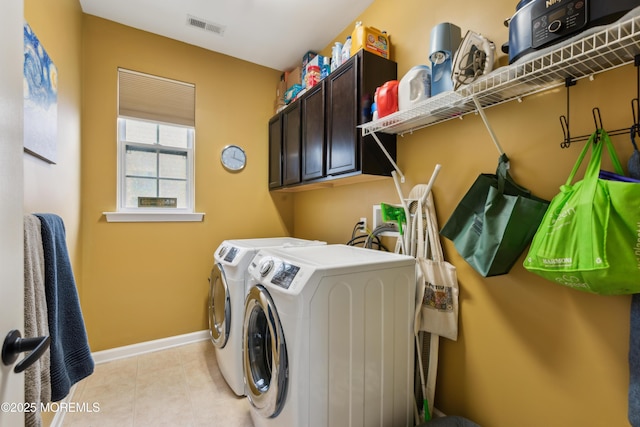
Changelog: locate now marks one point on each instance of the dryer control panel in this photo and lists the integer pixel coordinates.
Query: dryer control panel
(274, 271)
(284, 275)
(231, 254)
(227, 253)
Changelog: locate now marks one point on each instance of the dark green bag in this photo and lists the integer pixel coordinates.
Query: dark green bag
(495, 221)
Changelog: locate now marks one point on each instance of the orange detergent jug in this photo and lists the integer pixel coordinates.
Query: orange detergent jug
(386, 98)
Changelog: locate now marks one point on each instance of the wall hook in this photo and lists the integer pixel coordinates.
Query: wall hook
(565, 130)
(564, 120)
(635, 127)
(597, 120)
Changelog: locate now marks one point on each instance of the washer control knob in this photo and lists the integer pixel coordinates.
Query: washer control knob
(555, 26)
(222, 251)
(266, 267)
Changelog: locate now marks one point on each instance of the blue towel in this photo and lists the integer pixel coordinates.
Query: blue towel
(71, 358)
(634, 362)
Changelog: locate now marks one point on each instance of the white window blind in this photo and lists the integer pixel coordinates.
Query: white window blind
(158, 99)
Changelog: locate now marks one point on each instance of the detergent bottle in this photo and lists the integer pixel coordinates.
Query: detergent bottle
(414, 87)
(336, 56)
(346, 50)
(370, 39)
(386, 98)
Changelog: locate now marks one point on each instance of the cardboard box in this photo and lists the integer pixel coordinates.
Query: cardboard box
(318, 60)
(294, 77)
(278, 105)
(307, 57)
(281, 88)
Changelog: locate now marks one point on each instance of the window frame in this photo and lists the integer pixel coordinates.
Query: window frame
(158, 148)
(146, 213)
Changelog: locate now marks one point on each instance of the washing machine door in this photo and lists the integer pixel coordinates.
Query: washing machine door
(265, 354)
(219, 307)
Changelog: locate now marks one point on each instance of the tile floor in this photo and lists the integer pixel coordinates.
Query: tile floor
(181, 386)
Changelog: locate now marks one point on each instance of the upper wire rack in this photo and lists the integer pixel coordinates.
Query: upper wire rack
(614, 46)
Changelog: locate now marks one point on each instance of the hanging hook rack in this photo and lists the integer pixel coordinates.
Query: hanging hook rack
(597, 118)
(635, 108)
(564, 120)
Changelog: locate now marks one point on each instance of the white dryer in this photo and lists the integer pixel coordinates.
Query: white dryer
(227, 289)
(328, 337)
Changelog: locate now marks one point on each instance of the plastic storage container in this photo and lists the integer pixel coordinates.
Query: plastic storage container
(414, 87)
(336, 56)
(346, 51)
(386, 98)
(313, 76)
(370, 39)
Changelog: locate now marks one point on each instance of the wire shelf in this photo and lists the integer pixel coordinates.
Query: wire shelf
(602, 50)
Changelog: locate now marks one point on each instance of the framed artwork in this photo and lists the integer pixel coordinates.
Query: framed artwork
(40, 99)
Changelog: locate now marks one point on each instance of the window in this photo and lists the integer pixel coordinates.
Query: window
(156, 166)
(156, 149)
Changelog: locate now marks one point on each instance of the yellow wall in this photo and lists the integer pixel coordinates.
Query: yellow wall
(144, 281)
(56, 188)
(529, 353)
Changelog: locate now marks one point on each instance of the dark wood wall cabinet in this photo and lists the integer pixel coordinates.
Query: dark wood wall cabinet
(315, 141)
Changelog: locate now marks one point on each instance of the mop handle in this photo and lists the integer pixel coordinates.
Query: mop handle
(432, 180)
(406, 212)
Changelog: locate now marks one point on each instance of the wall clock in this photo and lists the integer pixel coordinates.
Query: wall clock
(233, 158)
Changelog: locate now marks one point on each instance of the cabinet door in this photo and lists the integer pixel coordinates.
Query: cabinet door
(374, 72)
(342, 107)
(275, 152)
(313, 146)
(291, 144)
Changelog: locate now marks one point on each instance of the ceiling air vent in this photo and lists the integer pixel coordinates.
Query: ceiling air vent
(203, 24)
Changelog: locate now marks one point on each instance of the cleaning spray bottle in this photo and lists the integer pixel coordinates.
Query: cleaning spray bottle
(395, 214)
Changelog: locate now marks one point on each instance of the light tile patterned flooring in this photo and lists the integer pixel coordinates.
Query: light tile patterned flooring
(181, 386)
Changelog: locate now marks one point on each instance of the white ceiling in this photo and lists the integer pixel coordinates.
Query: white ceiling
(272, 33)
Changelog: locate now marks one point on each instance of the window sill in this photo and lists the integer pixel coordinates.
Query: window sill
(153, 216)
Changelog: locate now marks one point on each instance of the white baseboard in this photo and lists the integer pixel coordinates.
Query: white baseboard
(148, 346)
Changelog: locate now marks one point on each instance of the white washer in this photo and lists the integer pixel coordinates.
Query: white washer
(227, 289)
(328, 337)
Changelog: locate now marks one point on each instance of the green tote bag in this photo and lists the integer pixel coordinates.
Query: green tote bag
(589, 239)
(494, 222)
